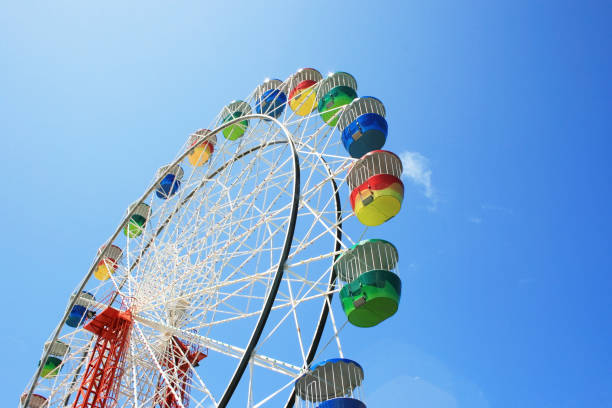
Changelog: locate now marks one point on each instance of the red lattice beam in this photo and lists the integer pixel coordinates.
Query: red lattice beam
(176, 363)
(102, 376)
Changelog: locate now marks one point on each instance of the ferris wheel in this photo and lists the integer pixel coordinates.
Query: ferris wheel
(216, 289)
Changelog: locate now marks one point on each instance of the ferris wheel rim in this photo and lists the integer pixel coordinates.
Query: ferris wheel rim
(130, 212)
(316, 339)
(167, 221)
(202, 262)
(278, 276)
(190, 195)
(338, 237)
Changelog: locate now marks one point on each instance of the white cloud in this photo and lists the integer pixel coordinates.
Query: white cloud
(475, 220)
(416, 169)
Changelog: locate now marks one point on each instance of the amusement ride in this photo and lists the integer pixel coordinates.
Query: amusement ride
(216, 288)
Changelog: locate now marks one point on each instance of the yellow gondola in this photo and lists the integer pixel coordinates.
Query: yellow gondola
(302, 90)
(108, 263)
(205, 147)
(376, 189)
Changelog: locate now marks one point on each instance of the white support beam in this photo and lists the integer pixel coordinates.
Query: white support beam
(221, 347)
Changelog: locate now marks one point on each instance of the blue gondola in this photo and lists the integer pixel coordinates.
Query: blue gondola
(363, 125)
(79, 310)
(270, 98)
(171, 182)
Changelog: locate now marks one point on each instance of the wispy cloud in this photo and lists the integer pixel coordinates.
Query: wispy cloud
(498, 208)
(416, 170)
(475, 220)
(490, 209)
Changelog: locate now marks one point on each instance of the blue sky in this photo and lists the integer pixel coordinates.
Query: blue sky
(500, 109)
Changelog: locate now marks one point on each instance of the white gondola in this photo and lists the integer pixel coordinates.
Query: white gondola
(36, 401)
(331, 383)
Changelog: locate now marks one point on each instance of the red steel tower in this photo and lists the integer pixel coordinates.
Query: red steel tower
(177, 361)
(103, 373)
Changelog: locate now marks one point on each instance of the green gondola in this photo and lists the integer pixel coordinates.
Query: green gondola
(136, 224)
(372, 291)
(336, 91)
(234, 110)
(52, 365)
